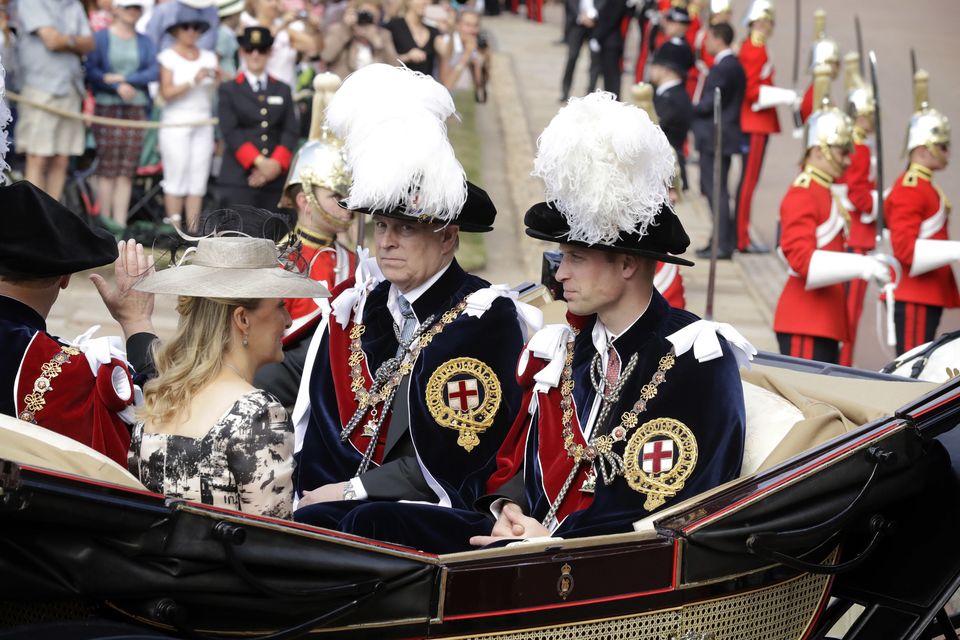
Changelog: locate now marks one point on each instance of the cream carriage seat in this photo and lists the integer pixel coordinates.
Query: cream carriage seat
(35, 446)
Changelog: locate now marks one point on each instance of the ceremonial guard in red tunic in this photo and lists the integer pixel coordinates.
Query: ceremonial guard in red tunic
(757, 125)
(82, 389)
(318, 180)
(606, 433)
(917, 212)
(857, 192)
(811, 318)
(409, 387)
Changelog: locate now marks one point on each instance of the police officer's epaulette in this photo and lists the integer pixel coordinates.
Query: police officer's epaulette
(803, 180)
(757, 38)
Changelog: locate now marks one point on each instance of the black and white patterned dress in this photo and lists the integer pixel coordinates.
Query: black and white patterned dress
(245, 461)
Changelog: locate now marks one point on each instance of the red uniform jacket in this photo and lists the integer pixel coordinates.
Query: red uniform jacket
(669, 283)
(331, 264)
(859, 199)
(916, 208)
(759, 70)
(810, 219)
(806, 105)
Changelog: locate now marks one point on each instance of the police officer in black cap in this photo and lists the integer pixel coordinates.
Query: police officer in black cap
(258, 120)
(84, 390)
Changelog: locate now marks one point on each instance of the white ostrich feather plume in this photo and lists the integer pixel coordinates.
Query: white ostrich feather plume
(393, 125)
(606, 167)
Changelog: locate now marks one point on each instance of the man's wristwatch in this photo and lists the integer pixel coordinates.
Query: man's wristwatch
(71, 42)
(349, 492)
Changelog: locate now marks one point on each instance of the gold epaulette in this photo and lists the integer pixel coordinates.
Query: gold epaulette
(757, 39)
(803, 180)
(910, 179)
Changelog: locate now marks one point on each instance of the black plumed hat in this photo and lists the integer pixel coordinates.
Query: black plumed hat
(40, 237)
(477, 214)
(664, 241)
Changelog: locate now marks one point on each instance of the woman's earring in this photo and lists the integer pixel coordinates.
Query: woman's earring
(245, 341)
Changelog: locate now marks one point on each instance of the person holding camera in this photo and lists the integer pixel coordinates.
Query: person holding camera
(465, 49)
(358, 40)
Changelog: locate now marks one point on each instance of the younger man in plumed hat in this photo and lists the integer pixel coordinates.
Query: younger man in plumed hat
(85, 390)
(611, 423)
(917, 212)
(258, 120)
(409, 388)
(811, 319)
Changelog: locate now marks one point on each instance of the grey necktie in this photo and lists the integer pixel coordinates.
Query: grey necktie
(409, 323)
(400, 418)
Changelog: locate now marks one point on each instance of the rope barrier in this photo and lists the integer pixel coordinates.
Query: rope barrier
(108, 122)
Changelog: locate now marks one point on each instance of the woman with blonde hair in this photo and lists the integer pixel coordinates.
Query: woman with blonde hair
(205, 432)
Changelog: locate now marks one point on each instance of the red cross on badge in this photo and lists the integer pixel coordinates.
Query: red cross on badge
(462, 395)
(657, 456)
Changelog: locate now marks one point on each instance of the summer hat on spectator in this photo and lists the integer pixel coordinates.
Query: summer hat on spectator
(188, 15)
(232, 267)
(198, 4)
(227, 8)
(128, 3)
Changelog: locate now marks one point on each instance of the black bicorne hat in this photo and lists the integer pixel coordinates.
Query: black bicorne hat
(41, 238)
(664, 241)
(477, 214)
(255, 38)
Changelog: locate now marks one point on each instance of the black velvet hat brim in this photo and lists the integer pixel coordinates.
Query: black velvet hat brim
(664, 240)
(477, 215)
(41, 238)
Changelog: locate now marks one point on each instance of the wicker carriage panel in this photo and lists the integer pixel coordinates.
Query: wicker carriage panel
(782, 611)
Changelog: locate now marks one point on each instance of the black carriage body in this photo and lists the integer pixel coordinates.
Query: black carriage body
(741, 561)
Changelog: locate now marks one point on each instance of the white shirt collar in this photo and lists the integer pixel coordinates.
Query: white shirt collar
(603, 337)
(723, 54)
(411, 295)
(669, 84)
(252, 80)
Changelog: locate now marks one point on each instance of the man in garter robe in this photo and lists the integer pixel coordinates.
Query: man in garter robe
(409, 386)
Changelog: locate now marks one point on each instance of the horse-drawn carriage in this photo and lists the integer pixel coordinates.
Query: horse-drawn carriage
(865, 516)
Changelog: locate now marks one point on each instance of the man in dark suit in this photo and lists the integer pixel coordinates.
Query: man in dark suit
(727, 74)
(258, 120)
(607, 41)
(579, 30)
(671, 62)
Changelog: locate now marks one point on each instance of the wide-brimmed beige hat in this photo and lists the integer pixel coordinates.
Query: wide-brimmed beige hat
(232, 268)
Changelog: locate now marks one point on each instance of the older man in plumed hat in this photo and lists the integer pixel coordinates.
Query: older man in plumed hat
(84, 389)
(410, 387)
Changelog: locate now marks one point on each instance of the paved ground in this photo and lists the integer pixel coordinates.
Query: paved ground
(524, 97)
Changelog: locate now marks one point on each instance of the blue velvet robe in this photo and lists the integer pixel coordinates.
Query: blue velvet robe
(456, 475)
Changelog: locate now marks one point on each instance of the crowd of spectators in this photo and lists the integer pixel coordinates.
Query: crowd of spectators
(165, 60)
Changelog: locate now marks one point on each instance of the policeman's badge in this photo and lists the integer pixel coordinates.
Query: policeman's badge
(464, 394)
(659, 457)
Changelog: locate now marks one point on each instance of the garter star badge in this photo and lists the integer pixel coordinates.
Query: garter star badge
(464, 394)
(659, 457)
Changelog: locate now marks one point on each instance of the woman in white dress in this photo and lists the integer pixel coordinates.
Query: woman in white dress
(188, 80)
